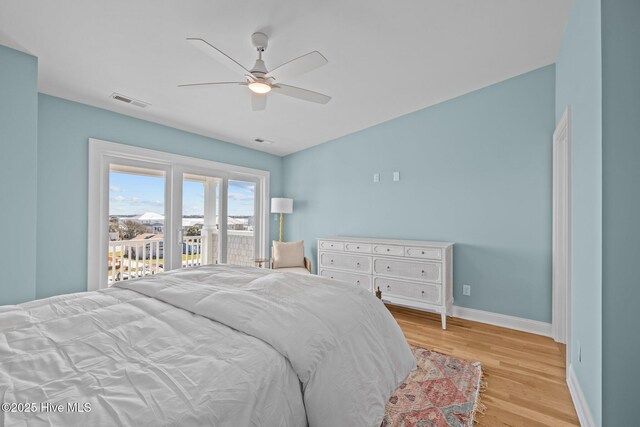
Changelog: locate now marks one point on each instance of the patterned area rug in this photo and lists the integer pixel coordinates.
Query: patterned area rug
(443, 391)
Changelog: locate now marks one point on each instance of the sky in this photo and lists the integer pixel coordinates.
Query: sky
(131, 194)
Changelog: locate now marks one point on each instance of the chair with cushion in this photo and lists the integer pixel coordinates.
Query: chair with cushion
(288, 257)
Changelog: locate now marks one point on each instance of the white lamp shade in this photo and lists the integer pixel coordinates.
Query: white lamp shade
(280, 205)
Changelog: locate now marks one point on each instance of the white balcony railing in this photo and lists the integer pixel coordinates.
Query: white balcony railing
(191, 251)
(129, 259)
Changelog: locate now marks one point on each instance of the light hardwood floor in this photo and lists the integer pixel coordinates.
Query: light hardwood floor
(525, 373)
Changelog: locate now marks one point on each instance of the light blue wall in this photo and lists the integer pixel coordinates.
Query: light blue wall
(475, 170)
(64, 129)
(579, 84)
(18, 163)
(621, 210)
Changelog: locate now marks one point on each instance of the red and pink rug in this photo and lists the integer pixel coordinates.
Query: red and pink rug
(443, 391)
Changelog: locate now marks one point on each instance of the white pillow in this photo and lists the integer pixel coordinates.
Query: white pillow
(288, 254)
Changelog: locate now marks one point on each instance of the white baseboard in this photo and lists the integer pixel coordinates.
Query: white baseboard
(511, 322)
(579, 401)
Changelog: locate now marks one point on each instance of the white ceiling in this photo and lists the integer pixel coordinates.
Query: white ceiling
(386, 58)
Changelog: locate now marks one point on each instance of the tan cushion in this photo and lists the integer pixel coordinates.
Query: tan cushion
(288, 254)
(297, 270)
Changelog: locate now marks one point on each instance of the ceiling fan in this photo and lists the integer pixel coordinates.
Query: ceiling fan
(259, 80)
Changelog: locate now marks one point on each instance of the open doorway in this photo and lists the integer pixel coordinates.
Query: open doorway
(561, 246)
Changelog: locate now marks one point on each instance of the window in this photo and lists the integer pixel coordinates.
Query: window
(151, 211)
(136, 222)
(200, 220)
(241, 222)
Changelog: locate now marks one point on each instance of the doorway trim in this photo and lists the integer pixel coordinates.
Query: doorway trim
(102, 153)
(561, 234)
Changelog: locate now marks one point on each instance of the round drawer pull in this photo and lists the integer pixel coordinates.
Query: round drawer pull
(358, 282)
(422, 252)
(422, 293)
(422, 271)
(357, 247)
(331, 261)
(388, 268)
(388, 249)
(332, 277)
(388, 287)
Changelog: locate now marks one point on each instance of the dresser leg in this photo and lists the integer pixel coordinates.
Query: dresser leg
(443, 315)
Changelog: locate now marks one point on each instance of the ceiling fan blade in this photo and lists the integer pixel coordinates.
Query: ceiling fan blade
(211, 84)
(304, 94)
(218, 55)
(295, 67)
(258, 102)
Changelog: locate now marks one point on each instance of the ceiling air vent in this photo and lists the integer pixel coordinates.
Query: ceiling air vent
(263, 141)
(128, 100)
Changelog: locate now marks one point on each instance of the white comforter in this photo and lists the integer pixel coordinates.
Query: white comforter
(221, 346)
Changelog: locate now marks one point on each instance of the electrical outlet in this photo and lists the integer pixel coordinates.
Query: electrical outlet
(396, 176)
(466, 290)
(376, 177)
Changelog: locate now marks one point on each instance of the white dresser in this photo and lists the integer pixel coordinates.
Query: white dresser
(412, 273)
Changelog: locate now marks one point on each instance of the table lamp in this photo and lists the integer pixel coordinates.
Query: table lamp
(281, 206)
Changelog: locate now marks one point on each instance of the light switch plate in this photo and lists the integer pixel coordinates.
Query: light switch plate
(376, 177)
(466, 290)
(396, 176)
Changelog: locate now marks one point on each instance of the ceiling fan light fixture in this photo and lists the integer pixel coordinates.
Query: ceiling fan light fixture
(259, 87)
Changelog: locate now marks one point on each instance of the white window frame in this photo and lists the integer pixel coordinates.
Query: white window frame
(103, 153)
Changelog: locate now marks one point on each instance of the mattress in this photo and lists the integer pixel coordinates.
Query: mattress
(215, 345)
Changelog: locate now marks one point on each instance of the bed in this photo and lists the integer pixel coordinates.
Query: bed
(215, 345)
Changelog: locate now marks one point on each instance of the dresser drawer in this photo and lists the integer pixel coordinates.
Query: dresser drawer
(350, 262)
(354, 279)
(364, 248)
(425, 292)
(428, 271)
(427, 253)
(331, 246)
(388, 250)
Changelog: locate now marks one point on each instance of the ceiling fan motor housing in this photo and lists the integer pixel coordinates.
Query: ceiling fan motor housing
(259, 68)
